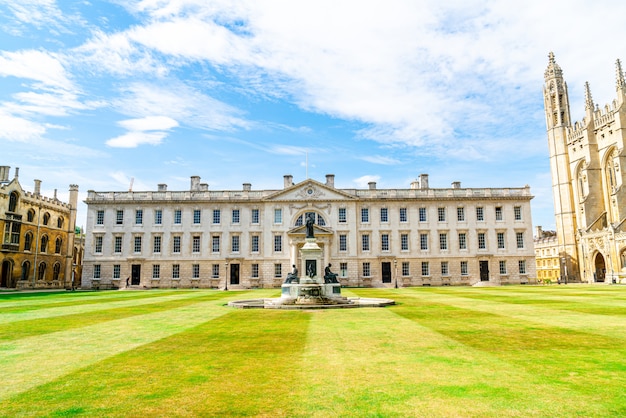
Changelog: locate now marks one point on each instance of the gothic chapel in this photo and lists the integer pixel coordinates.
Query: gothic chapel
(586, 160)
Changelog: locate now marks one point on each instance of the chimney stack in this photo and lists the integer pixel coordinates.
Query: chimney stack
(372, 185)
(4, 173)
(162, 187)
(288, 180)
(330, 180)
(247, 187)
(423, 181)
(456, 184)
(195, 183)
(37, 187)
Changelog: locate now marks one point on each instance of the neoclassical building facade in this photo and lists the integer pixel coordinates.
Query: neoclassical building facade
(38, 248)
(251, 238)
(587, 160)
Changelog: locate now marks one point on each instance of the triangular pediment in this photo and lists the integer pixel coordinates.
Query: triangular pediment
(310, 190)
(317, 230)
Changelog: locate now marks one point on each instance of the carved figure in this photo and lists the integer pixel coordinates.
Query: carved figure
(310, 221)
(292, 276)
(329, 276)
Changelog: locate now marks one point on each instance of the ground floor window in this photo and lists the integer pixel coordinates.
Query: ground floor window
(366, 270)
(278, 270)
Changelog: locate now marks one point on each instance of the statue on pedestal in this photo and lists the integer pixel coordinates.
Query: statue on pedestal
(292, 276)
(329, 276)
(310, 221)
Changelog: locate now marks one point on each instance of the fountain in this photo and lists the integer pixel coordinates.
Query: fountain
(311, 291)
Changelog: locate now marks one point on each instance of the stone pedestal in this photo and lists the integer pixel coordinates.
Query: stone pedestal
(310, 289)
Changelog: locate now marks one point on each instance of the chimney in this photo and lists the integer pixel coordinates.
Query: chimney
(195, 183)
(415, 184)
(4, 173)
(247, 187)
(288, 180)
(372, 185)
(456, 184)
(423, 181)
(17, 172)
(37, 187)
(55, 194)
(203, 187)
(330, 180)
(538, 231)
(162, 187)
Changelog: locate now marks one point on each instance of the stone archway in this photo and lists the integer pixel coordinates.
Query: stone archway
(6, 274)
(599, 272)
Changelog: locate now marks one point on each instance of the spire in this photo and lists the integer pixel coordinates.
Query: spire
(553, 69)
(588, 99)
(619, 76)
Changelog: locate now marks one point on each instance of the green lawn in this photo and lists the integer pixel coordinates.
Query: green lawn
(516, 351)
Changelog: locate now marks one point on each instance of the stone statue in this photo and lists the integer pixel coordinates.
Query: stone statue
(329, 276)
(293, 276)
(310, 221)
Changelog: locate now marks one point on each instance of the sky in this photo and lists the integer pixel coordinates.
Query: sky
(109, 94)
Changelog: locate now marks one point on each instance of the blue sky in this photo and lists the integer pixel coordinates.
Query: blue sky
(97, 93)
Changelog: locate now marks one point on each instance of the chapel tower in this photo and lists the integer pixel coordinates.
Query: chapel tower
(558, 122)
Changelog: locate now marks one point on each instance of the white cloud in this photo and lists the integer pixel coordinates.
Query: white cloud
(135, 138)
(181, 103)
(363, 181)
(40, 66)
(149, 123)
(380, 159)
(14, 128)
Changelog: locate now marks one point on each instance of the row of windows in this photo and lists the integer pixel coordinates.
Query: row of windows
(157, 240)
(12, 236)
(197, 216)
(42, 271)
(441, 214)
(235, 243)
(424, 241)
(195, 271)
(30, 215)
(425, 269)
(278, 216)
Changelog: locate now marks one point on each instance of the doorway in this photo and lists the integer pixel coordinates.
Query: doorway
(386, 270)
(6, 273)
(234, 274)
(484, 271)
(600, 268)
(135, 276)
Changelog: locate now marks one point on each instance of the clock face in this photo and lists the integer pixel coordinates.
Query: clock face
(309, 191)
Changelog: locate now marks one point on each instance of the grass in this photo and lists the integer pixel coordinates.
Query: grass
(516, 351)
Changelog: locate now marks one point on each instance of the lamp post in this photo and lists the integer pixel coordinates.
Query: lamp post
(226, 277)
(395, 268)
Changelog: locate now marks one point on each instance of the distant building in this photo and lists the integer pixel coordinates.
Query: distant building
(38, 236)
(587, 161)
(547, 256)
(247, 238)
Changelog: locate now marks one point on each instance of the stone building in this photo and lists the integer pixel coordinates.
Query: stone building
(547, 256)
(38, 236)
(586, 161)
(251, 238)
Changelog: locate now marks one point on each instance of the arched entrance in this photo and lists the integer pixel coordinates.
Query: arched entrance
(6, 274)
(600, 268)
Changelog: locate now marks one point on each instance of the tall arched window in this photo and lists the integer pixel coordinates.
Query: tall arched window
(581, 178)
(44, 244)
(25, 270)
(46, 218)
(13, 201)
(41, 273)
(57, 245)
(28, 241)
(60, 222)
(319, 219)
(610, 172)
(30, 216)
(56, 271)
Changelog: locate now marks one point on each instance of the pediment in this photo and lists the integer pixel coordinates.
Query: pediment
(317, 230)
(309, 190)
